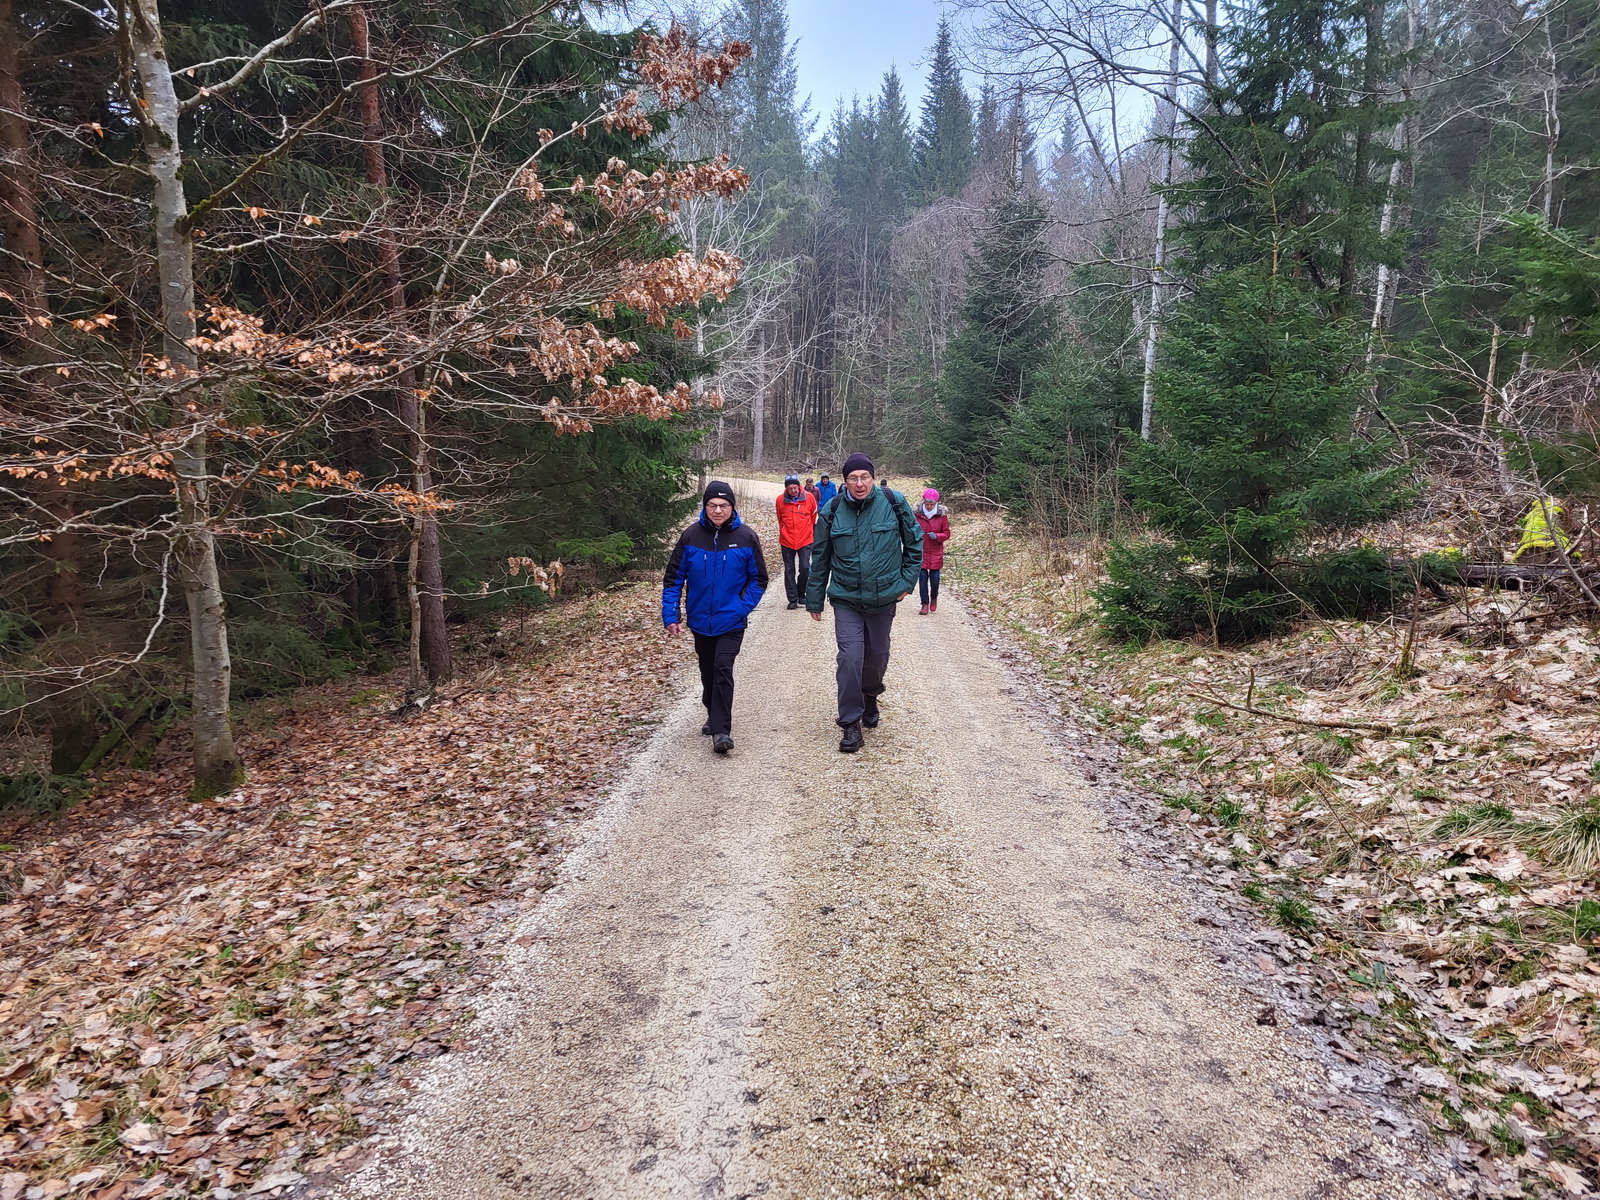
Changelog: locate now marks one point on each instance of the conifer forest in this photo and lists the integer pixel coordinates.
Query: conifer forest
(360, 361)
(331, 327)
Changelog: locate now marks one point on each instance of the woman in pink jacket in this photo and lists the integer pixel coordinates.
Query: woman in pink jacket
(935, 522)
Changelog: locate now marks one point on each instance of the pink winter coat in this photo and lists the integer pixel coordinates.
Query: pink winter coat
(935, 533)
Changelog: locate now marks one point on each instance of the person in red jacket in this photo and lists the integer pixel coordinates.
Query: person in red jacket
(935, 522)
(797, 519)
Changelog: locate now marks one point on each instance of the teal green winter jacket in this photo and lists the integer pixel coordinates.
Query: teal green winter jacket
(866, 554)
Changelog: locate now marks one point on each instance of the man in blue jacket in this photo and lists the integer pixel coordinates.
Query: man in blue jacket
(826, 490)
(718, 560)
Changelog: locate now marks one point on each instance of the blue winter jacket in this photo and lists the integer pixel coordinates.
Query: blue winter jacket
(825, 492)
(724, 571)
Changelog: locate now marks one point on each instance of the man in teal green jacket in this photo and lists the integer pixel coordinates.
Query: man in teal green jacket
(865, 557)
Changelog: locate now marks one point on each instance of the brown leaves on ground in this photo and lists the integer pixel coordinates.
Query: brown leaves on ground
(222, 994)
(1442, 884)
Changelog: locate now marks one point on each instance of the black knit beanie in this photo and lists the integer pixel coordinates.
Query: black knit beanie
(716, 488)
(857, 462)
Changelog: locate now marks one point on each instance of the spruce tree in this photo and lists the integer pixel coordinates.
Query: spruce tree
(991, 141)
(1256, 459)
(944, 151)
(1007, 324)
(1256, 456)
(1285, 165)
(895, 157)
(849, 159)
(771, 137)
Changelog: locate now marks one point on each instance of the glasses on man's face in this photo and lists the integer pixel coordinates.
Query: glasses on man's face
(718, 506)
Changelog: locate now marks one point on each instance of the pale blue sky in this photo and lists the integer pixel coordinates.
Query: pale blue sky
(845, 46)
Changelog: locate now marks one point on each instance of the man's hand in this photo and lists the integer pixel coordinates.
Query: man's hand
(675, 628)
(816, 616)
(903, 595)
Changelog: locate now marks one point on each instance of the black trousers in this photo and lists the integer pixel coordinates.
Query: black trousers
(716, 655)
(796, 570)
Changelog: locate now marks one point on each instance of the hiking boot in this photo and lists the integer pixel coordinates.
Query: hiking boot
(851, 741)
(869, 717)
(934, 607)
(722, 743)
(923, 611)
(705, 730)
(793, 604)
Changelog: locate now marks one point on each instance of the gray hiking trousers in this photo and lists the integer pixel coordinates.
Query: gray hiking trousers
(863, 658)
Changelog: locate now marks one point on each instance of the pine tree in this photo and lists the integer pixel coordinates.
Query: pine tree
(1283, 167)
(992, 150)
(944, 151)
(1256, 459)
(1007, 324)
(1064, 176)
(849, 159)
(1256, 454)
(771, 133)
(1056, 466)
(896, 164)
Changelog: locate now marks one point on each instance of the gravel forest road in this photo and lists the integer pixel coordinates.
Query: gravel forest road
(931, 968)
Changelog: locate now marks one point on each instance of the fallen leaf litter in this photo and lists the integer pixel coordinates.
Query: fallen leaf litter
(227, 995)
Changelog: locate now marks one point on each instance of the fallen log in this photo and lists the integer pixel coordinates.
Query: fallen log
(1494, 573)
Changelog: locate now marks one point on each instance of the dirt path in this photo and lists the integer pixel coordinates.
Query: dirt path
(923, 969)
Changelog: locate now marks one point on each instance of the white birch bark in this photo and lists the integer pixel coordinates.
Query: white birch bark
(1152, 332)
(758, 403)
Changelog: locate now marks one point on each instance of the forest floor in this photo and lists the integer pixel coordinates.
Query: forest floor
(471, 954)
(214, 998)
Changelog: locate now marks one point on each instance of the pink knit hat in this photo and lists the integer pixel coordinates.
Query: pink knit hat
(930, 495)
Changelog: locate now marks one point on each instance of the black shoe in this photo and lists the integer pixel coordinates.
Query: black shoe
(705, 730)
(722, 743)
(869, 718)
(851, 741)
(793, 604)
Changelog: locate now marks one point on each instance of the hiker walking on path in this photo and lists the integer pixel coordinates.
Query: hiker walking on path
(935, 522)
(827, 489)
(811, 490)
(797, 514)
(865, 559)
(718, 559)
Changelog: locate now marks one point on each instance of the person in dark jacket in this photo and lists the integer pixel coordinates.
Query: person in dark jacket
(827, 489)
(718, 560)
(935, 522)
(811, 490)
(865, 558)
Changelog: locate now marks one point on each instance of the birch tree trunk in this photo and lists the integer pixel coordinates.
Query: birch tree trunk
(1152, 332)
(758, 403)
(1211, 44)
(1552, 139)
(217, 767)
(1405, 136)
(427, 574)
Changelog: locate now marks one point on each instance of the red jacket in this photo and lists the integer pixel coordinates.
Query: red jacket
(935, 533)
(797, 520)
